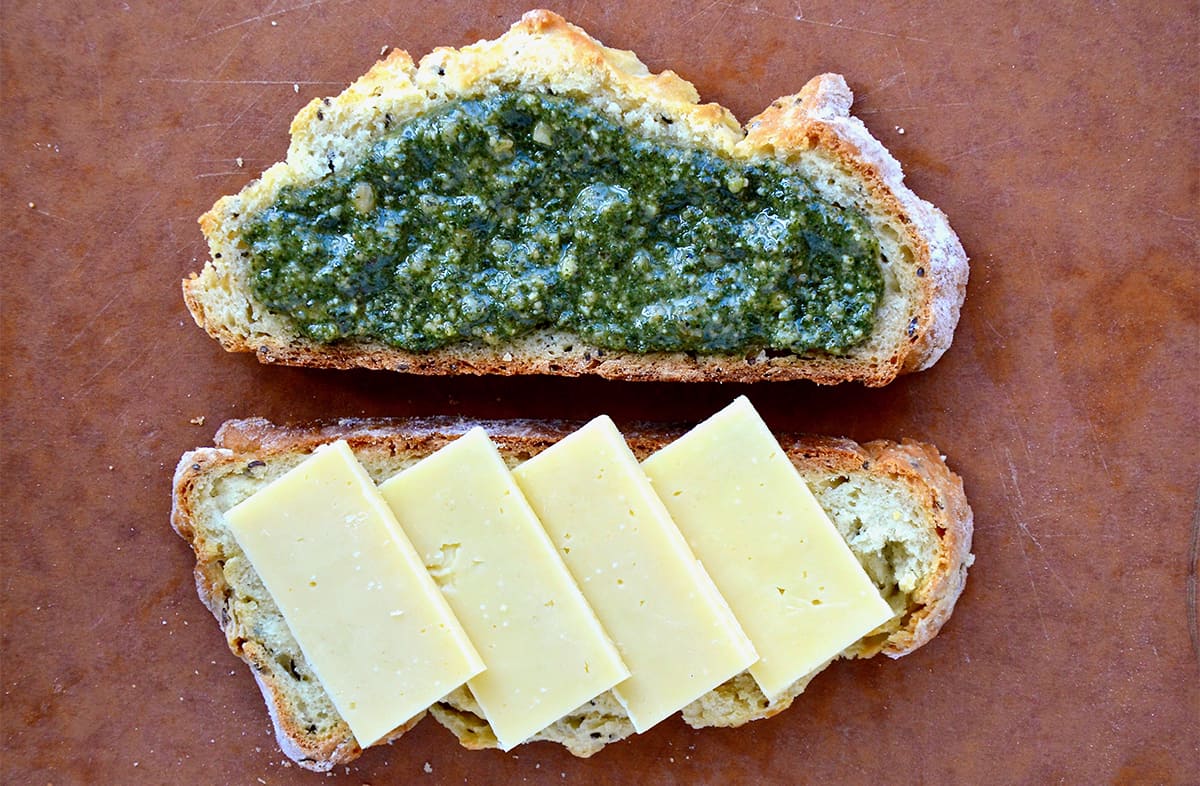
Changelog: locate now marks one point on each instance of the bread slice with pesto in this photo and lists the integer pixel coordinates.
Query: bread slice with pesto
(393, 236)
(901, 510)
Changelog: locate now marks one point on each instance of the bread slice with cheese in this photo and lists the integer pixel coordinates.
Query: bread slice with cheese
(900, 509)
(923, 265)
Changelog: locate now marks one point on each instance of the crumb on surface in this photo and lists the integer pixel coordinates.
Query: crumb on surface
(196, 421)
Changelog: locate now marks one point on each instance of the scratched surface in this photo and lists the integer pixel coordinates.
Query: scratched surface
(1062, 144)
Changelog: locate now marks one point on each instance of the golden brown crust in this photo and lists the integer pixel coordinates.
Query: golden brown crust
(818, 118)
(243, 443)
(926, 265)
(926, 473)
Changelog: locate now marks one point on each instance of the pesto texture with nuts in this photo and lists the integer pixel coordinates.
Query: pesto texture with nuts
(488, 219)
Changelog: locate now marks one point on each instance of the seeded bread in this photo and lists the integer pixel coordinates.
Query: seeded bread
(924, 266)
(901, 510)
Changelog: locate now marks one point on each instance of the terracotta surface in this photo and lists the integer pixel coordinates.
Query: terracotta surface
(1062, 144)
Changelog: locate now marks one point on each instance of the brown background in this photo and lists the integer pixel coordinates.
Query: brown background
(1063, 146)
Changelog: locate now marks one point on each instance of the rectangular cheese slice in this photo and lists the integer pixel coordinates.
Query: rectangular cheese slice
(790, 578)
(371, 622)
(673, 628)
(545, 651)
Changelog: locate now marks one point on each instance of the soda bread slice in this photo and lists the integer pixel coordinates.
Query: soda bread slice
(901, 510)
(924, 267)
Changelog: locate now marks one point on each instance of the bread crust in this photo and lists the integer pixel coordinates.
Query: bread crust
(818, 118)
(924, 265)
(386, 445)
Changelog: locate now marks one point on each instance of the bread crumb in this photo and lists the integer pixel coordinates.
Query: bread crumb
(32, 206)
(196, 421)
(239, 162)
(295, 88)
(383, 50)
(274, 23)
(900, 130)
(428, 767)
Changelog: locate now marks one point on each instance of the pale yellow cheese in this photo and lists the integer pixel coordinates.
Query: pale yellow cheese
(370, 620)
(546, 653)
(674, 630)
(791, 580)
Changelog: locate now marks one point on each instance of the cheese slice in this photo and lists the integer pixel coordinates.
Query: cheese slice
(369, 619)
(789, 576)
(673, 628)
(546, 653)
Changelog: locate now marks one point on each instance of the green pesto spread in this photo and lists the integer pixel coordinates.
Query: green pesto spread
(488, 219)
